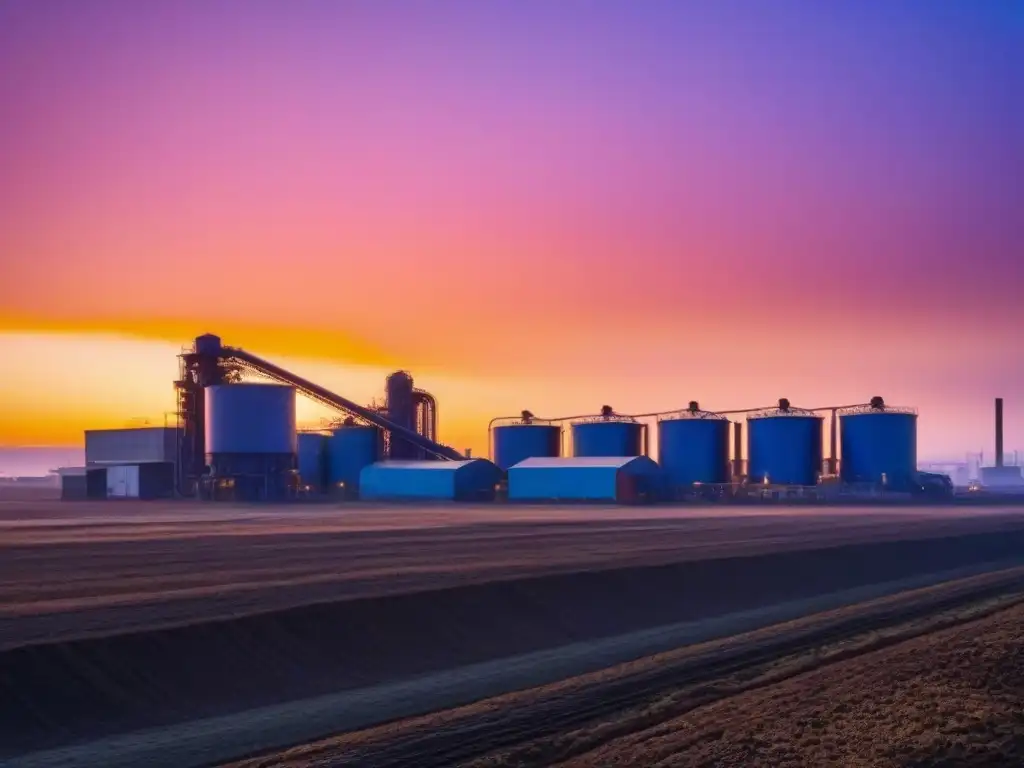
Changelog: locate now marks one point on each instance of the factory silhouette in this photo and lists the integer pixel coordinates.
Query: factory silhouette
(238, 441)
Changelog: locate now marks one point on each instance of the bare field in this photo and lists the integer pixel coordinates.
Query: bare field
(952, 698)
(79, 568)
(125, 618)
(944, 688)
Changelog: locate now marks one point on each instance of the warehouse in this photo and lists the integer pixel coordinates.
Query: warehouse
(470, 480)
(622, 479)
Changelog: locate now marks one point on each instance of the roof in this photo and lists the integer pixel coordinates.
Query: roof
(417, 465)
(144, 428)
(611, 462)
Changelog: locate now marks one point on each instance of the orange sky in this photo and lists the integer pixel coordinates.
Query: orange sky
(65, 383)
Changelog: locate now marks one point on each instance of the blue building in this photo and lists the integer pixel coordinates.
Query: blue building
(622, 479)
(470, 480)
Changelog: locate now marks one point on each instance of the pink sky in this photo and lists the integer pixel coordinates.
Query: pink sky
(548, 205)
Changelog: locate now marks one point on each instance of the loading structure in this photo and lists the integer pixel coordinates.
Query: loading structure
(609, 434)
(879, 446)
(784, 446)
(210, 363)
(693, 449)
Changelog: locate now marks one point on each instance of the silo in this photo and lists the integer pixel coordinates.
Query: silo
(608, 435)
(349, 449)
(312, 460)
(526, 438)
(879, 445)
(784, 446)
(401, 409)
(693, 447)
(251, 439)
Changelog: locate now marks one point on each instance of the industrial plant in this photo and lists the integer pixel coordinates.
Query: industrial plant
(239, 441)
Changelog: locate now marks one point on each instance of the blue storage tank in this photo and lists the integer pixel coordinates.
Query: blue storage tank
(469, 480)
(250, 418)
(614, 436)
(525, 440)
(693, 447)
(349, 449)
(250, 441)
(878, 445)
(784, 446)
(312, 460)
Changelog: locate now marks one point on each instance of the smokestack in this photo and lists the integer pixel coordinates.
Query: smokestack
(999, 431)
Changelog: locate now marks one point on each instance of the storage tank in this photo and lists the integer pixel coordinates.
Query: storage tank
(526, 438)
(312, 460)
(693, 447)
(250, 418)
(608, 435)
(879, 445)
(350, 448)
(251, 440)
(401, 409)
(784, 446)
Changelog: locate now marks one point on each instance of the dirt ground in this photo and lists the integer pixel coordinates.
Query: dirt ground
(952, 698)
(76, 568)
(120, 617)
(946, 689)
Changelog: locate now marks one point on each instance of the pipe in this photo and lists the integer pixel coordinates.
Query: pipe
(999, 431)
(655, 414)
(737, 448)
(833, 445)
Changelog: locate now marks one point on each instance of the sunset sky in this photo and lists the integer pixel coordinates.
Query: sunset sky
(528, 204)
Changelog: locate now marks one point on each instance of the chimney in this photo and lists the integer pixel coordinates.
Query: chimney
(999, 431)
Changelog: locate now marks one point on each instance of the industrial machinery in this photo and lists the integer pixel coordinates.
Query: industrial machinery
(879, 446)
(210, 363)
(1001, 476)
(250, 441)
(784, 446)
(525, 438)
(693, 448)
(609, 435)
